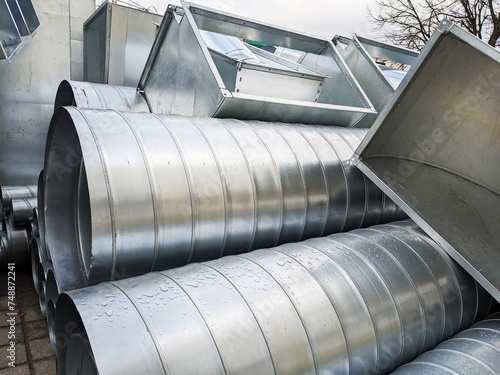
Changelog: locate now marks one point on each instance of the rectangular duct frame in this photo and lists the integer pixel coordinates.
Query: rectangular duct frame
(117, 40)
(375, 79)
(18, 19)
(435, 149)
(182, 77)
(10, 38)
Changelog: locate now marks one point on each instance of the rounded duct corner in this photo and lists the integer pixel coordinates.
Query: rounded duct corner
(65, 95)
(67, 323)
(65, 197)
(35, 265)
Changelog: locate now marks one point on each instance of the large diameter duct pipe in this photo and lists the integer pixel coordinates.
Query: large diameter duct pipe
(475, 351)
(99, 96)
(357, 303)
(148, 192)
(44, 252)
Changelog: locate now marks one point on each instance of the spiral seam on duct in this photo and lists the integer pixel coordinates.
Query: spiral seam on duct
(475, 351)
(346, 303)
(192, 189)
(88, 95)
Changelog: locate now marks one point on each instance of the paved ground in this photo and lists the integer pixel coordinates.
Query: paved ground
(33, 352)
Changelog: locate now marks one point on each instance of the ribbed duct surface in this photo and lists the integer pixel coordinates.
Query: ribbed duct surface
(475, 351)
(22, 209)
(9, 192)
(156, 192)
(357, 303)
(99, 96)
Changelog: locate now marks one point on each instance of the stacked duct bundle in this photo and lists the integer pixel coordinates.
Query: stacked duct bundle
(130, 195)
(471, 352)
(18, 205)
(357, 303)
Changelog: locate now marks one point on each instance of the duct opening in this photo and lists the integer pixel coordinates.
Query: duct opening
(65, 95)
(62, 199)
(83, 217)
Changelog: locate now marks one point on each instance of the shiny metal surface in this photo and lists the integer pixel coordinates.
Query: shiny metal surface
(43, 249)
(359, 55)
(18, 243)
(87, 95)
(475, 351)
(36, 265)
(22, 209)
(435, 150)
(182, 76)
(357, 303)
(202, 188)
(117, 40)
(29, 14)
(9, 192)
(10, 38)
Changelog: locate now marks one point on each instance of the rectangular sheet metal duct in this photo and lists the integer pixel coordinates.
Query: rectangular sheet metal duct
(117, 40)
(186, 74)
(435, 149)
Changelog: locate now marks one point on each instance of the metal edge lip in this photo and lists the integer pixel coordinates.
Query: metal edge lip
(232, 18)
(373, 64)
(414, 215)
(158, 42)
(336, 107)
(446, 27)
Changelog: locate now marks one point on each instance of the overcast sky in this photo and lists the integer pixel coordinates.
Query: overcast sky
(316, 17)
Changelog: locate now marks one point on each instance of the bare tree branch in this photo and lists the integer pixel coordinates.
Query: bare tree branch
(412, 22)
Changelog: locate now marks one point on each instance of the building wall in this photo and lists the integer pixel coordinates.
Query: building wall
(29, 83)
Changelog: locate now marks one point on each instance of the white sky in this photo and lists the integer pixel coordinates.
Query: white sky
(316, 17)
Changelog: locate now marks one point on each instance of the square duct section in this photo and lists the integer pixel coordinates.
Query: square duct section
(209, 63)
(435, 149)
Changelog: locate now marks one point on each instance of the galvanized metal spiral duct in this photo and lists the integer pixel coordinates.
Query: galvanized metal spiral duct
(40, 219)
(21, 209)
(99, 96)
(475, 351)
(36, 264)
(357, 303)
(3, 248)
(148, 192)
(17, 242)
(9, 192)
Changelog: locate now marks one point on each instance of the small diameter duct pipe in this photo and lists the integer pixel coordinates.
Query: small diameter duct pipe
(22, 209)
(363, 302)
(99, 96)
(151, 192)
(17, 243)
(9, 192)
(475, 351)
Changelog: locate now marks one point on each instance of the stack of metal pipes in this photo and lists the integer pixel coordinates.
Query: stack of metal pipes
(19, 223)
(196, 245)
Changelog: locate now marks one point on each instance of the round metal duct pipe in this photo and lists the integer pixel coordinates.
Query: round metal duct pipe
(357, 303)
(44, 252)
(17, 244)
(21, 209)
(475, 351)
(9, 192)
(99, 96)
(149, 192)
(36, 265)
